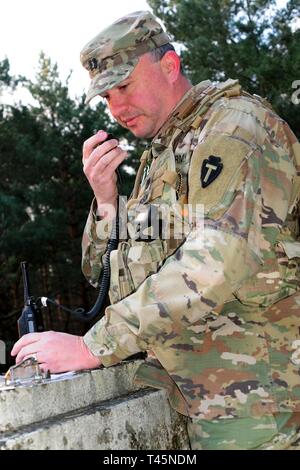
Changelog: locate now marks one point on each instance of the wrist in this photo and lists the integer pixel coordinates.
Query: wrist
(105, 210)
(90, 360)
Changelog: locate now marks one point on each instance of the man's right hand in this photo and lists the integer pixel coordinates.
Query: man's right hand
(100, 160)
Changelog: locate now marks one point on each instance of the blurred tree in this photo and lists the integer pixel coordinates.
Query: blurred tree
(5, 78)
(252, 40)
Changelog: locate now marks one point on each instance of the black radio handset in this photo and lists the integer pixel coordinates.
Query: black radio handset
(119, 177)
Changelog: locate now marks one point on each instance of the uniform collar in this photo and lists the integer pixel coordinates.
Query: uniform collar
(183, 108)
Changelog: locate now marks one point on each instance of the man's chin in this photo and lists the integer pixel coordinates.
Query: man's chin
(141, 133)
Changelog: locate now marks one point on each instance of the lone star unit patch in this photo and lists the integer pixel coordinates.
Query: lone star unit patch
(211, 168)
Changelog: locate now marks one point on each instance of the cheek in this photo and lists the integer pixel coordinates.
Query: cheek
(149, 101)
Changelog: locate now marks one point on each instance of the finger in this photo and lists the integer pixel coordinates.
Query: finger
(93, 142)
(26, 339)
(114, 157)
(27, 351)
(110, 157)
(44, 367)
(101, 175)
(116, 162)
(34, 355)
(100, 151)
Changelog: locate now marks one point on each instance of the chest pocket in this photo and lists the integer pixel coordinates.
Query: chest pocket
(131, 264)
(160, 184)
(150, 228)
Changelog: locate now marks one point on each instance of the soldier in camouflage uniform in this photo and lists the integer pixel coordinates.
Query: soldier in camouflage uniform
(211, 292)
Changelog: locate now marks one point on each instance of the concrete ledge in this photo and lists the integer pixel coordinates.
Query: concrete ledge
(142, 421)
(99, 409)
(28, 404)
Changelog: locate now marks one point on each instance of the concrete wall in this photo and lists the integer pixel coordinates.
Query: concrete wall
(99, 409)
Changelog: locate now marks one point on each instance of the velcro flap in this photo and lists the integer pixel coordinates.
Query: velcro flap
(170, 177)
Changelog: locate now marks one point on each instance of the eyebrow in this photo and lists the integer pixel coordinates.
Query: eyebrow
(120, 85)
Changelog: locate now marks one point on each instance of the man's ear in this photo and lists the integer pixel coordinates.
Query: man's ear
(170, 64)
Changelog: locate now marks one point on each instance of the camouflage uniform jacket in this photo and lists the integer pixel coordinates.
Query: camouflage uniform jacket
(219, 311)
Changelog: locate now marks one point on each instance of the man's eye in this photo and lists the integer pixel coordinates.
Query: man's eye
(123, 87)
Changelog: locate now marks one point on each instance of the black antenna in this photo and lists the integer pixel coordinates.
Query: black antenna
(30, 320)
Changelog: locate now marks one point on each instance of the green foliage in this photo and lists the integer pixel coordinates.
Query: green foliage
(44, 196)
(5, 78)
(251, 40)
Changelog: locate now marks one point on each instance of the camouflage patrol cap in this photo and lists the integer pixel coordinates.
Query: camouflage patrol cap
(111, 56)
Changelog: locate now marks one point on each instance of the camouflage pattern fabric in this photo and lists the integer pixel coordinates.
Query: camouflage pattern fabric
(278, 432)
(111, 56)
(219, 310)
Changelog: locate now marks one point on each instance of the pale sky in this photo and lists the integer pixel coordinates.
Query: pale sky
(58, 27)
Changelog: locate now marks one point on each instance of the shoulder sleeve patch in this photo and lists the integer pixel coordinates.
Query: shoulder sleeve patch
(216, 171)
